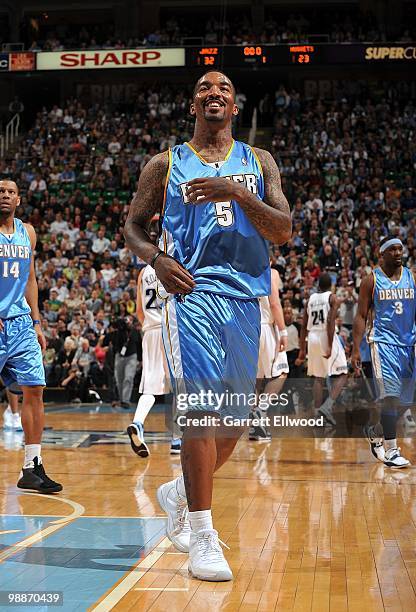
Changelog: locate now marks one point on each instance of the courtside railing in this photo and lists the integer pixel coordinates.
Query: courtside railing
(10, 135)
(12, 130)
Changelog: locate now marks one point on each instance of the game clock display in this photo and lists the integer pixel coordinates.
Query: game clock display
(251, 55)
(267, 56)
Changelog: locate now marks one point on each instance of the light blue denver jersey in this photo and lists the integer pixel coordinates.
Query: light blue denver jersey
(394, 309)
(15, 258)
(216, 242)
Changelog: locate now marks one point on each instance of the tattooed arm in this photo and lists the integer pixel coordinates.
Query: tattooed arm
(148, 201)
(270, 217)
(273, 220)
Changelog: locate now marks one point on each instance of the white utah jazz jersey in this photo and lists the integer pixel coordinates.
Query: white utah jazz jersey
(318, 309)
(151, 304)
(265, 311)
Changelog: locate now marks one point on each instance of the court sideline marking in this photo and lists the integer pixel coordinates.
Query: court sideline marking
(78, 511)
(128, 582)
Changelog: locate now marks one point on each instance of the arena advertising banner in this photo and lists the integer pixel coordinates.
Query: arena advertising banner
(111, 58)
(22, 61)
(238, 56)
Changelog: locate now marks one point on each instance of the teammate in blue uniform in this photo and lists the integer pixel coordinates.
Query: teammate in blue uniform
(21, 337)
(220, 201)
(387, 306)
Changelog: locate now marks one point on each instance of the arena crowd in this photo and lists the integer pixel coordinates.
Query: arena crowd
(283, 26)
(347, 168)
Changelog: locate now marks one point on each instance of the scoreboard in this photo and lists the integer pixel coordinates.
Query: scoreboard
(228, 56)
(298, 55)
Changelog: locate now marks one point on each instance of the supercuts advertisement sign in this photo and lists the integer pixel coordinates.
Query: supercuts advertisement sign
(111, 58)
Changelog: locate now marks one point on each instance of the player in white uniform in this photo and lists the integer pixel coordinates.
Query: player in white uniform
(11, 416)
(272, 365)
(326, 355)
(155, 373)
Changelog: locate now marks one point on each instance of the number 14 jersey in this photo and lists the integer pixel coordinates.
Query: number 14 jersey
(15, 259)
(216, 241)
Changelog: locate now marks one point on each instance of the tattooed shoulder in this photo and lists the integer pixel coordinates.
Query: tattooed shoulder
(268, 164)
(148, 199)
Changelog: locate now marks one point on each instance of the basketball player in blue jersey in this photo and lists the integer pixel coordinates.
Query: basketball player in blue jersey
(387, 306)
(21, 337)
(221, 201)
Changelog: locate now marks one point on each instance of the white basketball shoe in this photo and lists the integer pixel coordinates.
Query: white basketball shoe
(178, 529)
(206, 559)
(393, 459)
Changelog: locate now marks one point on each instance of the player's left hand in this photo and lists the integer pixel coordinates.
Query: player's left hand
(1, 326)
(41, 337)
(212, 189)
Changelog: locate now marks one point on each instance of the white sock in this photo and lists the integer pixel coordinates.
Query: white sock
(200, 520)
(144, 406)
(31, 451)
(391, 444)
(180, 486)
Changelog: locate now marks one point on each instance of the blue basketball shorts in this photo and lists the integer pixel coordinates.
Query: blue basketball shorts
(20, 353)
(212, 345)
(394, 371)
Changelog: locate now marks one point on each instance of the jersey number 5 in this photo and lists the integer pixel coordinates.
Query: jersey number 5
(225, 214)
(12, 270)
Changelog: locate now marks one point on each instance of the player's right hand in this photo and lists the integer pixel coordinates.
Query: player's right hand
(173, 276)
(356, 360)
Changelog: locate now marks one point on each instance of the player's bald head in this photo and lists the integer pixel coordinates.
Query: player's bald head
(208, 77)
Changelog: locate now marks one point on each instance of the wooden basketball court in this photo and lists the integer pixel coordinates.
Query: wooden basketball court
(312, 524)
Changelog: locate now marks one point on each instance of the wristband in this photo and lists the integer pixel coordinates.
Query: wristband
(35, 322)
(155, 256)
(283, 333)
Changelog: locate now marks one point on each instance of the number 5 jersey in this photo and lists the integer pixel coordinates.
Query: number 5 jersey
(216, 241)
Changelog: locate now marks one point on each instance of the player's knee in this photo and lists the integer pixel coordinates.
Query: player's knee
(34, 394)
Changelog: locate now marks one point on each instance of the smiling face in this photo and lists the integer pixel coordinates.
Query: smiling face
(214, 98)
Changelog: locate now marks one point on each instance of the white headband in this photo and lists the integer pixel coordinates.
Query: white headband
(390, 243)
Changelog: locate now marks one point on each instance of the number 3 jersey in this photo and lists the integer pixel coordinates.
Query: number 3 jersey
(216, 242)
(15, 258)
(394, 309)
